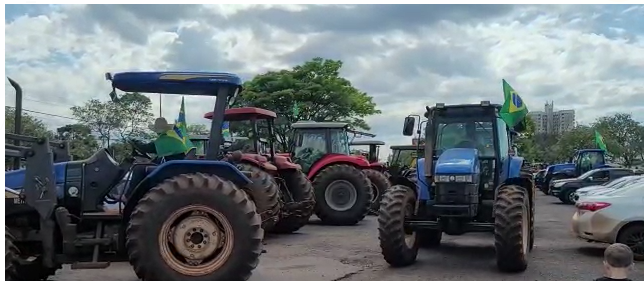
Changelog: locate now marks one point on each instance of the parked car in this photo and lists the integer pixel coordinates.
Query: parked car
(565, 189)
(611, 185)
(617, 216)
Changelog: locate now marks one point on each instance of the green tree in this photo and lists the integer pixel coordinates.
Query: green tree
(622, 135)
(134, 112)
(197, 129)
(31, 126)
(581, 137)
(311, 91)
(526, 143)
(82, 143)
(100, 117)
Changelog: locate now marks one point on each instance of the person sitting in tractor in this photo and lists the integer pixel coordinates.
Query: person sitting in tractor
(167, 146)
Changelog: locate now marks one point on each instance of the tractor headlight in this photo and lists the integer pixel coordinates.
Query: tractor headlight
(455, 178)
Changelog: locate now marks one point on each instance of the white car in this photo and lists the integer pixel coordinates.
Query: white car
(616, 184)
(616, 216)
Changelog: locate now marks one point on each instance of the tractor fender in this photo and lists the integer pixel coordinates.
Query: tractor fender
(332, 159)
(259, 161)
(422, 186)
(285, 163)
(515, 178)
(173, 168)
(514, 171)
(400, 180)
(177, 167)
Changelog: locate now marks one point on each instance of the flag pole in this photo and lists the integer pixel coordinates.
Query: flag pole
(160, 113)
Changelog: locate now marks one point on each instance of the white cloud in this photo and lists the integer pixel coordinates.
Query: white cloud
(559, 53)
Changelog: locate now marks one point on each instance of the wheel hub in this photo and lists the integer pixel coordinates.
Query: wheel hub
(340, 195)
(196, 238)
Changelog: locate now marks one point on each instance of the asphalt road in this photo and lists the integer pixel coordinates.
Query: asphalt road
(327, 253)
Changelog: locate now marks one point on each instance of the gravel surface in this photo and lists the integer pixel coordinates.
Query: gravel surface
(328, 253)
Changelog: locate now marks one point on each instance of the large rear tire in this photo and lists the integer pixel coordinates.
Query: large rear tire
(399, 245)
(512, 228)
(297, 208)
(265, 192)
(13, 269)
(379, 185)
(528, 176)
(342, 194)
(194, 227)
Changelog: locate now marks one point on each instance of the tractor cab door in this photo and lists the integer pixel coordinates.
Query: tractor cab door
(310, 146)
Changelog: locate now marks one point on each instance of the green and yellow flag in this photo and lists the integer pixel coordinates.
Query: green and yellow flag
(182, 127)
(514, 109)
(599, 140)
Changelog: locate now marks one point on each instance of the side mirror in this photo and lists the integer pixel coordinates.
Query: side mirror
(408, 127)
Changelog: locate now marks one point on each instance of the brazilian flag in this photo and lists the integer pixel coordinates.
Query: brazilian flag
(599, 140)
(181, 128)
(514, 109)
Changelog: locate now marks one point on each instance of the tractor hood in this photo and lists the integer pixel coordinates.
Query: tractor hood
(457, 161)
(14, 180)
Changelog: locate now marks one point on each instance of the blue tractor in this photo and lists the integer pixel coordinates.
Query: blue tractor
(181, 220)
(582, 161)
(469, 181)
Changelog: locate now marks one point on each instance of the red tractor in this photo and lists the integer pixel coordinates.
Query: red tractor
(378, 172)
(281, 191)
(344, 184)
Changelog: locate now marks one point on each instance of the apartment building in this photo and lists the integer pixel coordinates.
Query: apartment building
(550, 121)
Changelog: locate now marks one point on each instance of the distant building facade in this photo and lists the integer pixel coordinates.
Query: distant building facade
(554, 122)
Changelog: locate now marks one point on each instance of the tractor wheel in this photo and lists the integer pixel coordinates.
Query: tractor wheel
(298, 207)
(343, 195)
(429, 238)
(399, 245)
(14, 271)
(379, 185)
(194, 227)
(265, 193)
(512, 228)
(528, 176)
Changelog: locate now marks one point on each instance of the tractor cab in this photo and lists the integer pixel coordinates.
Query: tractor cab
(256, 122)
(403, 157)
(315, 140)
(582, 161)
(374, 149)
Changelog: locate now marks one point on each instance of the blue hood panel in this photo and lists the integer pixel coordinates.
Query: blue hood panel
(457, 161)
(15, 179)
(560, 167)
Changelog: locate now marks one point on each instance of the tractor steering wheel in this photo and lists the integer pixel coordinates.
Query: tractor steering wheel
(137, 151)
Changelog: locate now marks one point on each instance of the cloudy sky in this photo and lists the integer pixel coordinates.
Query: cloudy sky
(587, 58)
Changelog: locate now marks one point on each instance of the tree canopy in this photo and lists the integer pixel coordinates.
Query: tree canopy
(312, 91)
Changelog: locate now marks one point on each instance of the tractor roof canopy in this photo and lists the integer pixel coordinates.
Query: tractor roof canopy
(171, 82)
(245, 113)
(367, 142)
(318, 125)
(406, 147)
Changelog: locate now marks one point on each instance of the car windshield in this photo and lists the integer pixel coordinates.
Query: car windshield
(466, 134)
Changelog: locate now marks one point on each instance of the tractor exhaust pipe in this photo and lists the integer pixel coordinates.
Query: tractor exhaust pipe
(17, 129)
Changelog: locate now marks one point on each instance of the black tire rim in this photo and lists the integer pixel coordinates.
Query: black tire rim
(636, 241)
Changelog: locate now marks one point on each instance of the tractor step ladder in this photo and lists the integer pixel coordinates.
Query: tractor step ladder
(97, 241)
